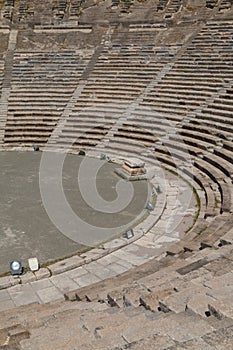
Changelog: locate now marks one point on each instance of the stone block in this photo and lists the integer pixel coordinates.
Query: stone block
(63, 283)
(28, 277)
(66, 265)
(93, 254)
(220, 339)
(175, 249)
(6, 305)
(50, 294)
(192, 327)
(178, 300)
(114, 245)
(193, 344)
(18, 333)
(23, 295)
(100, 271)
(72, 296)
(198, 304)
(42, 273)
(41, 284)
(156, 341)
(193, 266)
(86, 280)
(221, 308)
(151, 300)
(8, 281)
(118, 269)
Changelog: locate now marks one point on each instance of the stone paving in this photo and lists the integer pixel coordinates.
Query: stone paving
(49, 284)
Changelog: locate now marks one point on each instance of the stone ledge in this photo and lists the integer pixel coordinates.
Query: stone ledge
(65, 265)
(8, 281)
(27, 277)
(42, 273)
(221, 308)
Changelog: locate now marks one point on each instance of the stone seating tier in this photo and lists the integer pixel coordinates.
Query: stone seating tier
(164, 296)
(128, 98)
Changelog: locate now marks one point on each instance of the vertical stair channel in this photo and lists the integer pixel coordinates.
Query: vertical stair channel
(6, 84)
(54, 139)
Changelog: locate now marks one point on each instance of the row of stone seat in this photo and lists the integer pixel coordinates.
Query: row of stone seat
(123, 134)
(209, 165)
(7, 10)
(127, 139)
(211, 3)
(162, 5)
(94, 101)
(23, 9)
(71, 9)
(40, 88)
(1, 71)
(79, 134)
(148, 34)
(168, 273)
(137, 35)
(189, 284)
(110, 78)
(75, 8)
(173, 87)
(9, 3)
(215, 167)
(225, 5)
(178, 290)
(169, 7)
(173, 6)
(181, 300)
(217, 193)
(58, 12)
(95, 326)
(171, 156)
